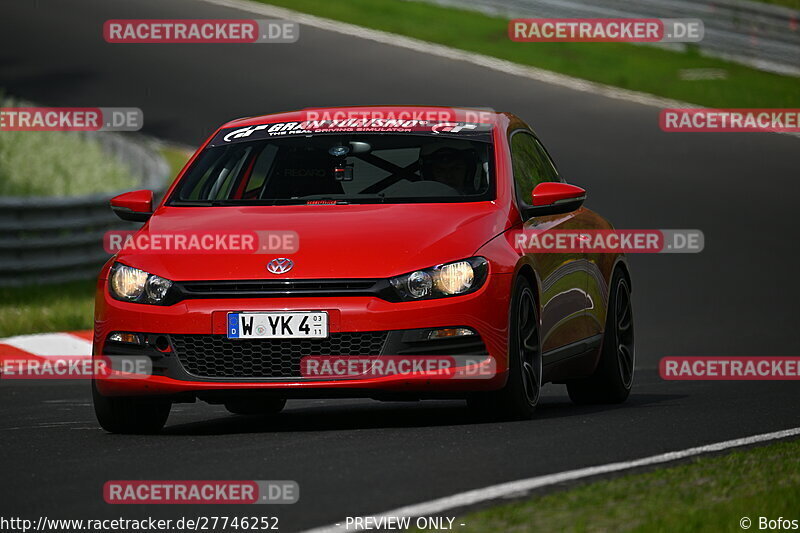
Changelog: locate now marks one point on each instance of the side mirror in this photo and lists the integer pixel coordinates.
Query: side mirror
(134, 206)
(553, 198)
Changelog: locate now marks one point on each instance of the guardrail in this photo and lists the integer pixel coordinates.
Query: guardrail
(760, 35)
(48, 240)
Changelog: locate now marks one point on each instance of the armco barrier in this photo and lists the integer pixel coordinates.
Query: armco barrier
(47, 240)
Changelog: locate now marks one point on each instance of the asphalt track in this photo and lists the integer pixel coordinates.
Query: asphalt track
(738, 297)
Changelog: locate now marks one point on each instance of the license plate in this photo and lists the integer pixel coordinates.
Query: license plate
(278, 325)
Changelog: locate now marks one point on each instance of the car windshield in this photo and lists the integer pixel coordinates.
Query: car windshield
(354, 168)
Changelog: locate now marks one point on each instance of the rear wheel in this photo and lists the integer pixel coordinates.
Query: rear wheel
(519, 397)
(130, 415)
(612, 381)
(263, 406)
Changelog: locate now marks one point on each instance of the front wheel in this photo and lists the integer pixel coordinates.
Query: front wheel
(613, 379)
(130, 415)
(518, 399)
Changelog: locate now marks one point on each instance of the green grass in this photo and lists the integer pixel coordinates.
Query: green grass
(708, 494)
(66, 164)
(44, 163)
(794, 4)
(640, 68)
(176, 157)
(46, 308)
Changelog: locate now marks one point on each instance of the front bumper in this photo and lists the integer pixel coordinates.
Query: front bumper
(485, 312)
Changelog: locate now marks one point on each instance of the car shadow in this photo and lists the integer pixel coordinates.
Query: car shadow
(377, 415)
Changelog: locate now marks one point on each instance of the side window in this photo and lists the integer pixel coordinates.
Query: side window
(530, 164)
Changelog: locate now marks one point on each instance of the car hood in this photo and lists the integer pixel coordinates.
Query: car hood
(335, 241)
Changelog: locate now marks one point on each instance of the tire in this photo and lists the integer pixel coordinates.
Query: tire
(262, 406)
(613, 378)
(136, 416)
(517, 400)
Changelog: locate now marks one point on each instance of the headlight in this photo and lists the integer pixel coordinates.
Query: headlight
(157, 287)
(419, 284)
(449, 279)
(133, 285)
(455, 278)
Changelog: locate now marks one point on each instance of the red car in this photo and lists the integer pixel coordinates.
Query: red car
(396, 241)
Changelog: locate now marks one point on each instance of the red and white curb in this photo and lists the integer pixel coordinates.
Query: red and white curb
(47, 345)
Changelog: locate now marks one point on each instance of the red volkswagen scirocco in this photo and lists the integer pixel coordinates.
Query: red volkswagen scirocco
(403, 225)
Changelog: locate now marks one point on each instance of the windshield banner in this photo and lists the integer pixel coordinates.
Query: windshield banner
(352, 125)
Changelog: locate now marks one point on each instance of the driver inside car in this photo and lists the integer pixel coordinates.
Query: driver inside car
(450, 163)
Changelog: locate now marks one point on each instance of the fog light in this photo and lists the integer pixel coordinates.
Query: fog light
(127, 338)
(450, 332)
(162, 343)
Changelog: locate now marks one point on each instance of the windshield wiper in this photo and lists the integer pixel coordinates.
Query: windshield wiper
(215, 203)
(191, 203)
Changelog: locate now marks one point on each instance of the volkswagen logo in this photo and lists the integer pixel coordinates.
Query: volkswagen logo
(281, 265)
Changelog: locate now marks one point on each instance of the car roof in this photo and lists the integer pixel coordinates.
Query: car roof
(406, 112)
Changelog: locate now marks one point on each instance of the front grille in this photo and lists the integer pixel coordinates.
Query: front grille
(216, 356)
(259, 288)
